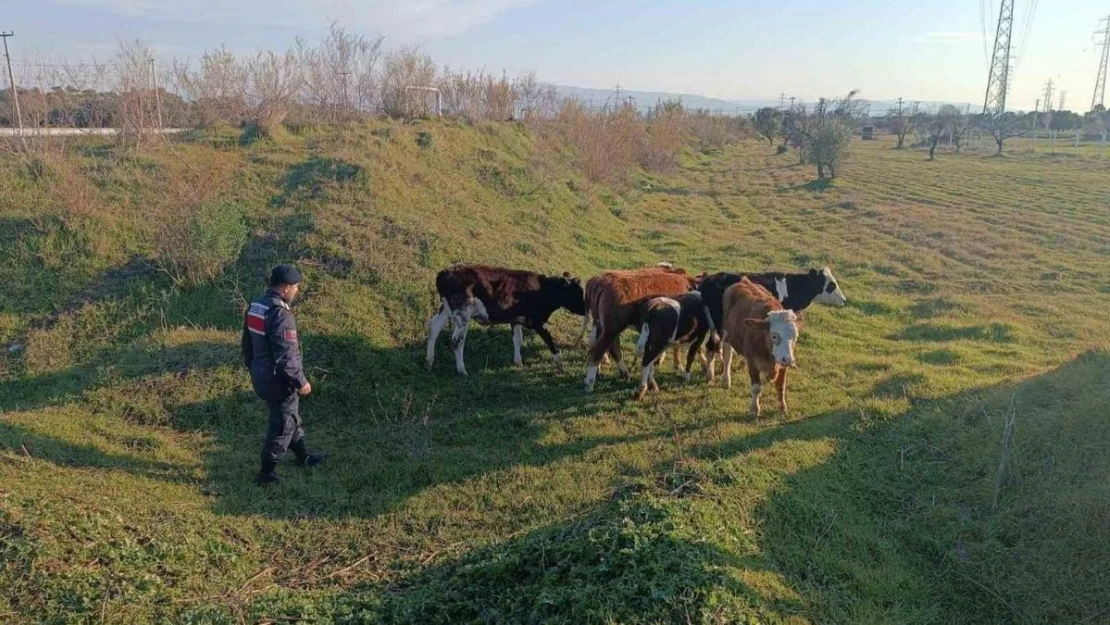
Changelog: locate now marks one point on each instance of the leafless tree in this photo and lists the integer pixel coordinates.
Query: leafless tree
(1004, 126)
(937, 125)
(902, 122)
(273, 82)
(131, 68)
(405, 68)
(340, 73)
(217, 88)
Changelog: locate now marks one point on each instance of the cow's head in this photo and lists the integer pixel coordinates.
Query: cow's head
(782, 328)
(830, 293)
(569, 293)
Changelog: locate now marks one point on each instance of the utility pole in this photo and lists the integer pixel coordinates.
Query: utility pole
(11, 80)
(899, 108)
(1099, 97)
(1048, 96)
(1063, 96)
(157, 97)
(782, 100)
(998, 80)
(346, 101)
(1036, 111)
(792, 98)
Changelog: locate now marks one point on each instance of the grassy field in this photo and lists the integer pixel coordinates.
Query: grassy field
(129, 436)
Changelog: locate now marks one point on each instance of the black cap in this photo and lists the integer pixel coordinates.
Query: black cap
(285, 274)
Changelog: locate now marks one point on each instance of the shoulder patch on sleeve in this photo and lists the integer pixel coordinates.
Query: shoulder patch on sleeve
(289, 335)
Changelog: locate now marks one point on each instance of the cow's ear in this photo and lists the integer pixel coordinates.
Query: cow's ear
(813, 272)
(566, 274)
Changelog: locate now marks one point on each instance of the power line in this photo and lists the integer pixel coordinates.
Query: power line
(11, 79)
(1099, 97)
(998, 80)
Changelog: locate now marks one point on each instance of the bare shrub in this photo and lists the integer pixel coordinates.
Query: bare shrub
(340, 77)
(136, 113)
(216, 89)
(405, 69)
(606, 144)
(273, 82)
(667, 130)
(713, 132)
(533, 99)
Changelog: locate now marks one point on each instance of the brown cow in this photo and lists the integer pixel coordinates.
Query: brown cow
(612, 299)
(756, 325)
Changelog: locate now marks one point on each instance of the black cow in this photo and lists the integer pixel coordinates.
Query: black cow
(667, 322)
(493, 295)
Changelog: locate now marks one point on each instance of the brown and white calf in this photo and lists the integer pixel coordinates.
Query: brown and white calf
(757, 326)
(613, 300)
(795, 291)
(667, 321)
(495, 295)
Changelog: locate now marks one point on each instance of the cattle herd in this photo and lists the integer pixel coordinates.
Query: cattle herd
(756, 315)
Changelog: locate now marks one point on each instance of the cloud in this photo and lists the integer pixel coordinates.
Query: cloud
(944, 37)
(395, 18)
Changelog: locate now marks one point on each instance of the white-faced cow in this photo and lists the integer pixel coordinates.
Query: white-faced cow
(667, 321)
(613, 299)
(494, 295)
(764, 333)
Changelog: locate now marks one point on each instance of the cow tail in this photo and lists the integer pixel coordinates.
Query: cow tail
(585, 327)
(641, 343)
(713, 335)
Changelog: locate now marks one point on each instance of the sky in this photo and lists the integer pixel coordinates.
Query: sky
(733, 49)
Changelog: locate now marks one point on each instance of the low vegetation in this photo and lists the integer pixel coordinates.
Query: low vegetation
(129, 435)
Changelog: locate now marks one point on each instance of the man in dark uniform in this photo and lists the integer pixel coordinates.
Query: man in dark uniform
(273, 355)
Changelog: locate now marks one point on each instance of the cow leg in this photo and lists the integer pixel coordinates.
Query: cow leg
(653, 353)
(615, 352)
(780, 386)
(726, 374)
(435, 326)
(518, 340)
(693, 352)
(556, 357)
(645, 378)
(757, 388)
(461, 321)
(677, 356)
(593, 358)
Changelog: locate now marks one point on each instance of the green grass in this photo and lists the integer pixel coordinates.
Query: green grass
(129, 435)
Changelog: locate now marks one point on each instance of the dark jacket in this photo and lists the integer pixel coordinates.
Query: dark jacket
(270, 347)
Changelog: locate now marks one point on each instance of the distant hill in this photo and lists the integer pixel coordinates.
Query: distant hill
(645, 100)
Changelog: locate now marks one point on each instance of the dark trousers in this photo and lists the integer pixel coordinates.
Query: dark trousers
(285, 428)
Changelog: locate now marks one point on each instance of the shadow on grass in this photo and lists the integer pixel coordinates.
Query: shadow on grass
(817, 186)
(393, 429)
(628, 561)
(898, 525)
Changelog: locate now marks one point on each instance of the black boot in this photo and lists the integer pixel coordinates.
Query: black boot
(267, 476)
(306, 458)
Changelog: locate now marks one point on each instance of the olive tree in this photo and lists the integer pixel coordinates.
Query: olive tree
(767, 122)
